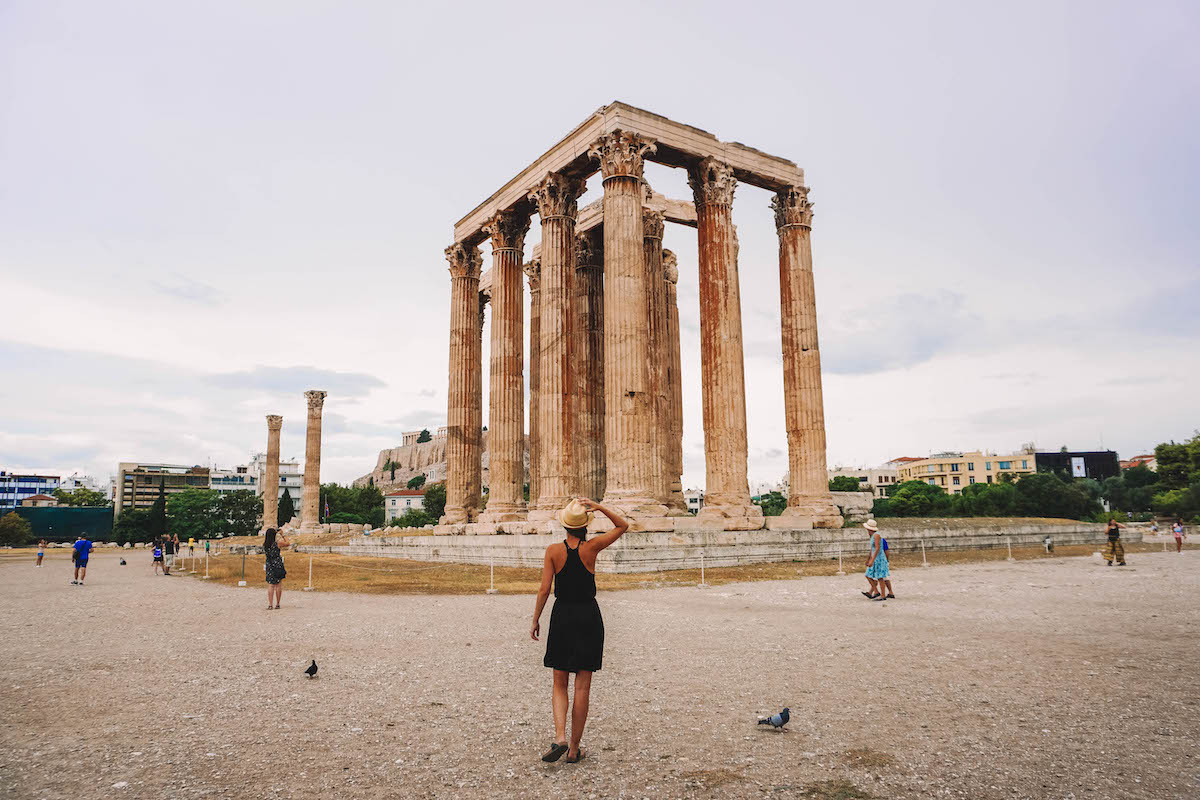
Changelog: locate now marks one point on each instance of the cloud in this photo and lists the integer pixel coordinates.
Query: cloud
(292, 380)
(184, 288)
(908, 330)
(419, 419)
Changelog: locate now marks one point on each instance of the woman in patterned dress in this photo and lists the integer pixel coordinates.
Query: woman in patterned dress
(877, 563)
(1114, 550)
(274, 567)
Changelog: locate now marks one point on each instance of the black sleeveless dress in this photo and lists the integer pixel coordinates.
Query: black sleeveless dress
(576, 638)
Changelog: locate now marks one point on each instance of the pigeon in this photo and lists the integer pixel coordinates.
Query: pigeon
(122, 562)
(312, 670)
(777, 720)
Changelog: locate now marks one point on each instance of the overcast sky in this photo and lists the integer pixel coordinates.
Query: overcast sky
(208, 207)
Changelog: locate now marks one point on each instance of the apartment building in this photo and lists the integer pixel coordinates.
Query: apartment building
(955, 471)
(15, 487)
(137, 485)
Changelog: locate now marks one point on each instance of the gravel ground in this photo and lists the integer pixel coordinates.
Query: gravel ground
(1048, 679)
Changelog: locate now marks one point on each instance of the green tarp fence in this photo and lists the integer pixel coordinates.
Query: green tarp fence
(65, 523)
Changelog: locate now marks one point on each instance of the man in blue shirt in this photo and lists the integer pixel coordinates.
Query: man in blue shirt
(83, 549)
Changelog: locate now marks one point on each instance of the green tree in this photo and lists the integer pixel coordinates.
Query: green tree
(82, 496)
(434, 501)
(414, 518)
(1174, 464)
(918, 499)
(132, 525)
(158, 511)
(844, 483)
(424, 437)
(241, 512)
(287, 508)
(15, 531)
(195, 514)
(345, 517)
(416, 482)
(772, 504)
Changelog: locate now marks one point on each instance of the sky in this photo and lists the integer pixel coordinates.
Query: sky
(208, 207)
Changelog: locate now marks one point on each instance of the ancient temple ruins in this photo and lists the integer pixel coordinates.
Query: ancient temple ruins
(606, 400)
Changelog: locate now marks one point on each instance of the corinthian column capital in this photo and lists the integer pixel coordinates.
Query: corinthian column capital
(316, 399)
(533, 271)
(557, 196)
(464, 261)
(589, 251)
(712, 182)
(621, 153)
(507, 230)
(792, 208)
(652, 224)
(670, 266)
(274, 422)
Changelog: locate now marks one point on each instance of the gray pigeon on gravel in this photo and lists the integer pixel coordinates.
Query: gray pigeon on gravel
(777, 720)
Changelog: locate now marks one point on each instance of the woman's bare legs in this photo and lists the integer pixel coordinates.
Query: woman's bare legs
(579, 710)
(560, 704)
(1178, 547)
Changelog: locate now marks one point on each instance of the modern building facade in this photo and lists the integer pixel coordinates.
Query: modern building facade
(137, 485)
(291, 477)
(876, 480)
(1094, 464)
(15, 487)
(234, 479)
(955, 471)
(76, 481)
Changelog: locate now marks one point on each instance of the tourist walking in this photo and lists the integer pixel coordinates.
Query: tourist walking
(158, 556)
(170, 543)
(1114, 551)
(575, 642)
(275, 571)
(82, 550)
(41, 551)
(877, 564)
(1176, 529)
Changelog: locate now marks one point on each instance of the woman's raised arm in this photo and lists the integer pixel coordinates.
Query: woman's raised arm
(620, 525)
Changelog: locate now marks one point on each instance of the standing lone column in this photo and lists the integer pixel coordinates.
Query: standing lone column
(628, 401)
(656, 312)
(270, 476)
(727, 493)
(808, 492)
(310, 514)
(533, 273)
(506, 400)
(589, 377)
(674, 457)
(463, 399)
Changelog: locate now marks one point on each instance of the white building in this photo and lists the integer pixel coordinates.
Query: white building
(77, 481)
(16, 487)
(291, 477)
(234, 479)
(397, 502)
(694, 499)
(876, 480)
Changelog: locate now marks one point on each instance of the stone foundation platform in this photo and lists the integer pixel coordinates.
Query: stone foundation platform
(681, 548)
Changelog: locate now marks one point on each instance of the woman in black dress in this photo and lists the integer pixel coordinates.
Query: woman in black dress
(576, 639)
(274, 567)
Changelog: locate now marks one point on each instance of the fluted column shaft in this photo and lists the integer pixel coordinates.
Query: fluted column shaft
(533, 273)
(628, 400)
(463, 418)
(506, 399)
(656, 313)
(270, 476)
(589, 336)
(556, 198)
(674, 447)
(310, 507)
(727, 492)
(808, 492)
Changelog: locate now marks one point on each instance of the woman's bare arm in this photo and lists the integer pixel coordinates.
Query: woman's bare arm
(543, 594)
(603, 540)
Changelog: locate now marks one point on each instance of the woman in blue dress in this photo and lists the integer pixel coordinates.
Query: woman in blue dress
(877, 563)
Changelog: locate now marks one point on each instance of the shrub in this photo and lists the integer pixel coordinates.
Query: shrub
(15, 530)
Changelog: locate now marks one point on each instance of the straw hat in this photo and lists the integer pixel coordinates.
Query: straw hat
(574, 515)
(871, 526)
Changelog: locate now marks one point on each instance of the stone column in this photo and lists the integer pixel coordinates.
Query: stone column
(808, 491)
(269, 480)
(463, 412)
(556, 198)
(656, 313)
(533, 273)
(727, 493)
(589, 377)
(628, 401)
(506, 400)
(674, 458)
(310, 507)
(475, 474)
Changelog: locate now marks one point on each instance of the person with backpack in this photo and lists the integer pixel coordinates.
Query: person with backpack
(158, 556)
(82, 550)
(877, 564)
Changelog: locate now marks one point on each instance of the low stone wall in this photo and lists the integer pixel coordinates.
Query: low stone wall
(650, 551)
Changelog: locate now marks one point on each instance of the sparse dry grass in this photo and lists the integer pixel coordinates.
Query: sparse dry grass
(867, 758)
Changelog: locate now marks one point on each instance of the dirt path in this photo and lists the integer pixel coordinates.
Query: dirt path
(1045, 679)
